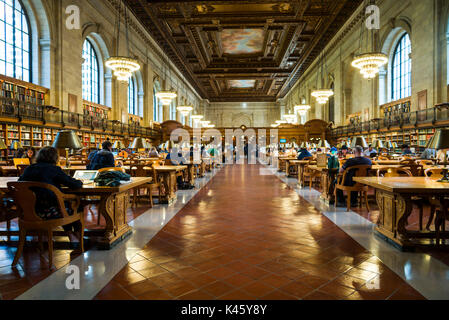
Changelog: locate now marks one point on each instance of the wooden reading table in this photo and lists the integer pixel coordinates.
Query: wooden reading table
(393, 196)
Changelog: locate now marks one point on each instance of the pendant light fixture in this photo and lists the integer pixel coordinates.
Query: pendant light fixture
(122, 67)
(369, 62)
(185, 109)
(302, 109)
(322, 95)
(166, 96)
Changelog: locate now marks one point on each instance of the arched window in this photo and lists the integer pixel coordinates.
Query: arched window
(15, 43)
(132, 103)
(91, 73)
(401, 69)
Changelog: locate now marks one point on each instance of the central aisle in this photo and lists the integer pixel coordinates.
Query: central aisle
(248, 236)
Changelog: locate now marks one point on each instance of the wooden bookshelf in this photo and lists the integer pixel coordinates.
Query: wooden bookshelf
(95, 110)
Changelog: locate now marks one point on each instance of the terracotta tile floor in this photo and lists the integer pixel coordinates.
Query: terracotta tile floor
(248, 236)
(33, 267)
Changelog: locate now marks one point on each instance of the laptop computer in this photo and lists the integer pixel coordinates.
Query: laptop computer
(86, 176)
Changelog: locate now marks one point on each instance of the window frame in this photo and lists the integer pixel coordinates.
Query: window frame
(29, 34)
(401, 48)
(98, 71)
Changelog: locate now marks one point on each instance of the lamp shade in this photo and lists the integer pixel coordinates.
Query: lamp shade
(15, 145)
(395, 144)
(389, 145)
(138, 143)
(67, 139)
(118, 144)
(305, 145)
(429, 143)
(440, 140)
(169, 145)
(3, 145)
(378, 144)
(359, 141)
(323, 144)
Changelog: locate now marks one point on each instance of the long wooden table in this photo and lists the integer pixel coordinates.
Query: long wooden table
(394, 198)
(167, 176)
(114, 202)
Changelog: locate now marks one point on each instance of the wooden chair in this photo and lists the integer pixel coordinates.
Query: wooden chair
(415, 168)
(112, 169)
(29, 220)
(8, 212)
(311, 175)
(138, 170)
(394, 172)
(359, 171)
(434, 173)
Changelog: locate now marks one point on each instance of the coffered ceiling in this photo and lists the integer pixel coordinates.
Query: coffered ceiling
(241, 50)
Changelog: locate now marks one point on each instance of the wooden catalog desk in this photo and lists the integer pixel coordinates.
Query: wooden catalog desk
(326, 177)
(114, 202)
(167, 177)
(393, 196)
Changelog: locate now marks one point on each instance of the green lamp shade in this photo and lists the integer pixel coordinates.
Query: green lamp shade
(67, 139)
(440, 140)
(378, 144)
(359, 141)
(3, 145)
(138, 143)
(389, 145)
(324, 144)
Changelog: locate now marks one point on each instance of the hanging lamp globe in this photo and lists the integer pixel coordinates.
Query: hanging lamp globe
(185, 110)
(302, 109)
(322, 95)
(370, 63)
(166, 96)
(290, 118)
(122, 67)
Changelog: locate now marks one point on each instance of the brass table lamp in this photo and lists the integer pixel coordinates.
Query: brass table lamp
(67, 139)
(118, 145)
(440, 141)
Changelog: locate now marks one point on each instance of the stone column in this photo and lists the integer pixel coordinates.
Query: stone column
(148, 99)
(383, 90)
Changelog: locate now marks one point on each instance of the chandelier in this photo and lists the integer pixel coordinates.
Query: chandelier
(290, 118)
(197, 117)
(205, 123)
(302, 109)
(322, 95)
(166, 96)
(185, 110)
(370, 63)
(279, 122)
(122, 67)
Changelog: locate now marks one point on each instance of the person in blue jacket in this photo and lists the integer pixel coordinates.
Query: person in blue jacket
(103, 158)
(304, 153)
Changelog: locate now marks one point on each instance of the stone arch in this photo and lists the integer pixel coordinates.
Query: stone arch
(398, 28)
(42, 41)
(241, 119)
(91, 32)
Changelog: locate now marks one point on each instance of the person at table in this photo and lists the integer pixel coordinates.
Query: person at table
(19, 154)
(31, 155)
(406, 150)
(103, 158)
(153, 153)
(304, 153)
(428, 154)
(343, 152)
(45, 170)
(370, 152)
(358, 160)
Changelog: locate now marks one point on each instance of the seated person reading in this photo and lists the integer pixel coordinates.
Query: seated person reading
(358, 160)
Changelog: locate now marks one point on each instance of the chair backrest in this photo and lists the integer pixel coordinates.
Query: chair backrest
(434, 172)
(112, 169)
(138, 170)
(18, 161)
(358, 171)
(25, 198)
(394, 172)
(21, 169)
(414, 168)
